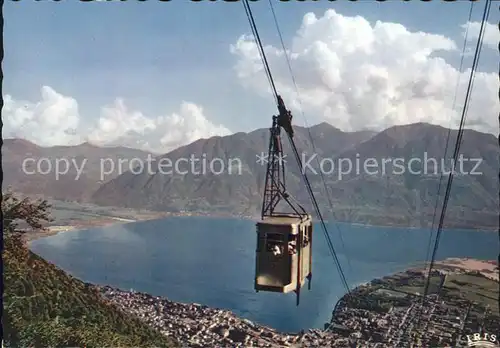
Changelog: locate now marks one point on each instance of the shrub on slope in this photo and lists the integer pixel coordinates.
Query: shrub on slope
(45, 307)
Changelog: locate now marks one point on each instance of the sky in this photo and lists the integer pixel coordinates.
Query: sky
(158, 75)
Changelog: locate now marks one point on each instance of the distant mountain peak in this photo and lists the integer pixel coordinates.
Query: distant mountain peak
(19, 141)
(88, 144)
(325, 125)
(416, 126)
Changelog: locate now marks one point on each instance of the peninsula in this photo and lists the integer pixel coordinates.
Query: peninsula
(462, 300)
(463, 297)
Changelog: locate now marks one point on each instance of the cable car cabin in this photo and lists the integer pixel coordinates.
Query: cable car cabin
(284, 254)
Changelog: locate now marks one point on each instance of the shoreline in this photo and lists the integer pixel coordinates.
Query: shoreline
(105, 220)
(200, 326)
(97, 222)
(195, 325)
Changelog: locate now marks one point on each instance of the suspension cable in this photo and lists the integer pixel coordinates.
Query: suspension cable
(498, 264)
(460, 71)
(309, 131)
(306, 180)
(323, 225)
(260, 47)
(458, 143)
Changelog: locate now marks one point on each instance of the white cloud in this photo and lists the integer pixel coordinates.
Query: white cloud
(350, 73)
(55, 120)
(491, 33)
(357, 75)
(118, 125)
(51, 121)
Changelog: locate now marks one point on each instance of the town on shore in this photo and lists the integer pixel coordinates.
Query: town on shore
(387, 312)
(462, 300)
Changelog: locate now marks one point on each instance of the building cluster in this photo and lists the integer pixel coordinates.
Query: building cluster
(373, 315)
(376, 315)
(199, 326)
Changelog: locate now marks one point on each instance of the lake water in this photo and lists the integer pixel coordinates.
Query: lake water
(211, 261)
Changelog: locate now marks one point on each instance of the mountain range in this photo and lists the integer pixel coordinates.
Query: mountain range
(381, 194)
(31, 169)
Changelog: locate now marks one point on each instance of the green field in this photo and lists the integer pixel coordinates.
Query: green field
(417, 286)
(474, 288)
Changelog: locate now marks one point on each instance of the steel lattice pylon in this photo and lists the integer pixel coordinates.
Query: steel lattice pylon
(274, 186)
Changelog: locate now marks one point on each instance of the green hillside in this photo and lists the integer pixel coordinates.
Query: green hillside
(45, 307)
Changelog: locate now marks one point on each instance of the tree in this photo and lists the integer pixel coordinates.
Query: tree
(32, 212)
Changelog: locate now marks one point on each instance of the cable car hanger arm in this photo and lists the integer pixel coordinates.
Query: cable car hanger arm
(275, 185)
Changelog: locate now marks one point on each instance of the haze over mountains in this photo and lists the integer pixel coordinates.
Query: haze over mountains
(386, 198)
(84, 158)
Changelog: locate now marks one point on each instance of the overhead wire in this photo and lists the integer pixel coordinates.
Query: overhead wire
(457, 144)
(460, 71)
(320, 216)
(260, 47)
(498, 264)
(455, 155)
(456, 150)
(306, 180)
(438, 195)
(308, 129)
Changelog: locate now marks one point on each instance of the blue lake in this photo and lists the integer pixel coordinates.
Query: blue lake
(211, 261)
